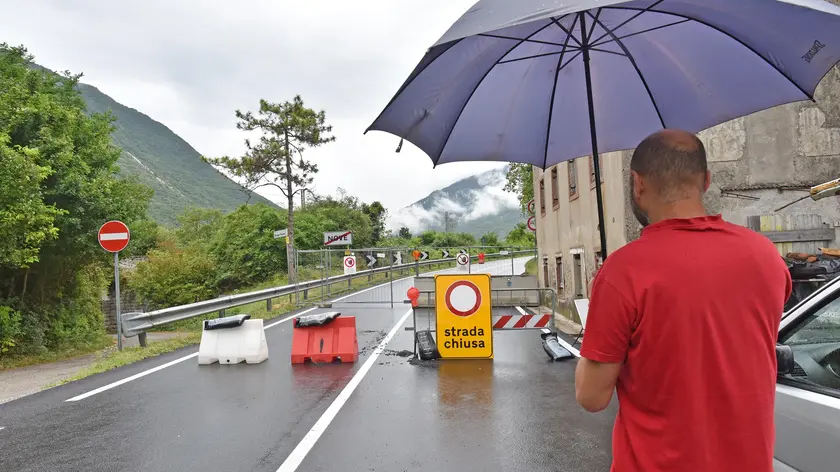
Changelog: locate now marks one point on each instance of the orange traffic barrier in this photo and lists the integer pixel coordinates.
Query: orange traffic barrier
(481, 258)
(334, 341)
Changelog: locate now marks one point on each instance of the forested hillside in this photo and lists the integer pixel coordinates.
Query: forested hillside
(166, 163)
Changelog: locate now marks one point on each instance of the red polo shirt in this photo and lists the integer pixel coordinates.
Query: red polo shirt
(692, 309)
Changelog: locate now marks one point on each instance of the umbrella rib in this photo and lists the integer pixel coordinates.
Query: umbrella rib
(635, 66)
(641, 11)
(739, 41)
(512, 38)
(535, 56)
(568, 32)
(554, 93)
(639, 32)
(455, 123)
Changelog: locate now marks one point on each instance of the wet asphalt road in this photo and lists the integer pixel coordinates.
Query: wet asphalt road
(514, 413)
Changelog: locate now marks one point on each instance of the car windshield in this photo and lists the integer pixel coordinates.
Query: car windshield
(823, 326)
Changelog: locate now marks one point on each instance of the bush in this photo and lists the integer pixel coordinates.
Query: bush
(174, 276)
(9, 329)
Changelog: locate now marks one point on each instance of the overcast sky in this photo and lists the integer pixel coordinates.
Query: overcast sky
(190, 63)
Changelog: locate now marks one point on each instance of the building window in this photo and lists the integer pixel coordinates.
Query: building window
(558, 268)
(573, 183)
(545, 271)
(578, 273)
(542, 196)
(599, 258)
(555, 197)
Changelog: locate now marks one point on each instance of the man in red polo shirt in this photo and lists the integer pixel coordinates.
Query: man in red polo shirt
(683, 325)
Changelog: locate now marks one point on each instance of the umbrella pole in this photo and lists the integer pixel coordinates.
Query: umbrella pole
(596, 161)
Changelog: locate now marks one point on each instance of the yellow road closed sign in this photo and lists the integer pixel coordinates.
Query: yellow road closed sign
(464, 321)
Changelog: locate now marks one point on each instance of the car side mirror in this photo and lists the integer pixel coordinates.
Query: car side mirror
(784, 359)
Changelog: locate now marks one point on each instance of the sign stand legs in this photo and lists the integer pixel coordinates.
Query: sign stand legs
(117, 292)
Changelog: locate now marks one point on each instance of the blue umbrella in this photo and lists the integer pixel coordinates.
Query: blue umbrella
(530, 81)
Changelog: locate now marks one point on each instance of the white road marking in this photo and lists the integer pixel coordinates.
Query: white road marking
(519, 308)
(2, 428)
(294, 459)
(568, 347)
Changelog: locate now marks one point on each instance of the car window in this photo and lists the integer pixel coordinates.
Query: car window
(816, 348)
(822, 326)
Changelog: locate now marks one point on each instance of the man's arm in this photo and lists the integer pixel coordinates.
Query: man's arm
(594, 384)
(605, 344)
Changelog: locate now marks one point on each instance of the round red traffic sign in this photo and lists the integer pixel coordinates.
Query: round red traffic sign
(463, 298)
(532, 206)
(349, 262)
(532, 223)
(114, 236)
(463, 259)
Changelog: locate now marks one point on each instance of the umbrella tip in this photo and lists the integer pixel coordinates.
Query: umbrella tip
(399, 147)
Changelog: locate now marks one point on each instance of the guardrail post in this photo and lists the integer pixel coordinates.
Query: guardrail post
(221, 313)
(141, 338)
(268, 306)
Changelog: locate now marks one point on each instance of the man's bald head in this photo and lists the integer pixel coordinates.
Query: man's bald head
(674, 162)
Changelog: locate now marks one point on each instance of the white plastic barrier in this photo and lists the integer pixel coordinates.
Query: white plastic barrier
(234, 345)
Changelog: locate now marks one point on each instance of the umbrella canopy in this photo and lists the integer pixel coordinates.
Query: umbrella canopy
(531, 81)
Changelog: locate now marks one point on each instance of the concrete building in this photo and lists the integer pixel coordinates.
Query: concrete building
(758, 164)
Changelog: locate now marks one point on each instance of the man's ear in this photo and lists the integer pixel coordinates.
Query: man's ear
(708, 181)
(638, 184)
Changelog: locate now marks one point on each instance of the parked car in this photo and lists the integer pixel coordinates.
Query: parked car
(808, 396)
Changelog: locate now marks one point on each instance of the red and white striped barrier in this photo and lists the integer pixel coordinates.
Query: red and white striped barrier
(521, 321)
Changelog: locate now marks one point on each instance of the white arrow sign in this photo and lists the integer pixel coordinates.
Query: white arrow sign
(371, 260)
(397, 258)
(463, 251)
(424, 255)
(445, 254)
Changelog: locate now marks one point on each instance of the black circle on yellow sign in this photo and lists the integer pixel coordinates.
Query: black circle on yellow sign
(468, 311)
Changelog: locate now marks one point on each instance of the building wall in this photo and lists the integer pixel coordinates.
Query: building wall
(758, 164)
(567, 229)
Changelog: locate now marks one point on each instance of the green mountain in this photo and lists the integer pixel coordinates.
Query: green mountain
(165, 162)
(475, 205)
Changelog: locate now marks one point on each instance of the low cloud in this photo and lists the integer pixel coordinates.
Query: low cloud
(488, 199)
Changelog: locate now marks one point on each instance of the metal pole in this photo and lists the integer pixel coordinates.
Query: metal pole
(596, 162)
(117, 290)
(512, 255)
(391, 278)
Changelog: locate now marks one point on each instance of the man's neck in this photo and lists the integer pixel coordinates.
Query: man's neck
(682, 209)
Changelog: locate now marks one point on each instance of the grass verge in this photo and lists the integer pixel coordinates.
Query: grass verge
(55, 356)
(111, 358)
(531, 267)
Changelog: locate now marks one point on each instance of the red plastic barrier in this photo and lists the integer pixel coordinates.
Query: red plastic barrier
(334, 341)
(481, 258)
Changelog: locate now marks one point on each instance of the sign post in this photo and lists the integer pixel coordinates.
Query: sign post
(464, 321)
(114, 237)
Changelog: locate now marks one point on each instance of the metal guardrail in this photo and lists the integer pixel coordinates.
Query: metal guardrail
(135, 324)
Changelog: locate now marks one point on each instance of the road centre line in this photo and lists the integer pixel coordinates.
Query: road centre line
(305, 445)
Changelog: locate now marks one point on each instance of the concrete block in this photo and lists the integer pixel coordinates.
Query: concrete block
(234, 345)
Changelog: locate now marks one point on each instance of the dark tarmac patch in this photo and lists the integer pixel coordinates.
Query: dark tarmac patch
(403, 353)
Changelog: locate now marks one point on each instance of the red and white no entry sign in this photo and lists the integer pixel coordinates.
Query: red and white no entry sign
(349, 262)
(114, 236)
(463, 298)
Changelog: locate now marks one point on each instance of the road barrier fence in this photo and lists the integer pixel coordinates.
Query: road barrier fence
(325, 269)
